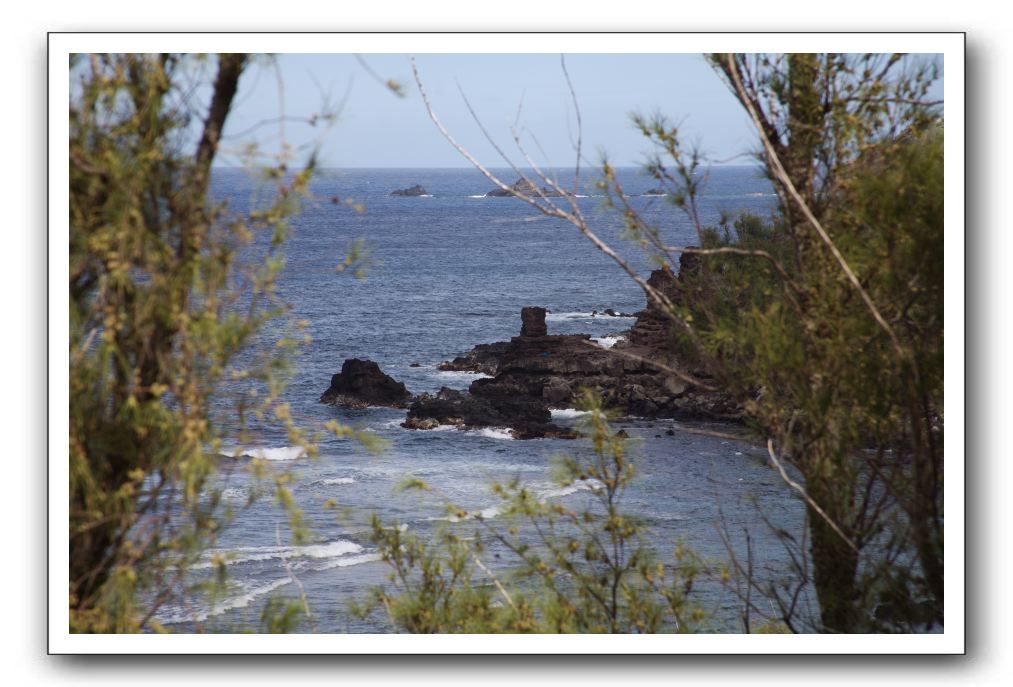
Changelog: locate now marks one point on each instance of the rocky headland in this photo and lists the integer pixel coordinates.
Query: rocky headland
(536, 372)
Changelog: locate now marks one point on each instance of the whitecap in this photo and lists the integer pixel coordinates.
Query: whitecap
(442, 428)
(462, 375)
(485, 514)
(607, 341)
(494, 433)
(555, 491)
(177, 614)
(235, 495)
(568, 413)
(349, 561)
(563, 316)
(264, 453)
(247, 554)
(336, 481)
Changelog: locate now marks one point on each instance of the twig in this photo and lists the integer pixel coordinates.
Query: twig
(495, 581)
(808, 499)
(774, 162)
(297, 581)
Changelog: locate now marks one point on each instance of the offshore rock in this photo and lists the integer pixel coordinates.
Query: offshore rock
(414, 191)
(528, 188)
(361, 384)
(522, 186)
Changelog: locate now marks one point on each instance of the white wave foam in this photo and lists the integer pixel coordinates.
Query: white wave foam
(235, 495)
(349, 561)
(247, 554)
(543, 491)
(479, 196)
(563, 316)
(486, 514)
(337, 480)
(494, 433)
(441, 428)
(607, 341)
(559, 492)
(175, 614)
(461, 375)
(264, 453)
(568, 413)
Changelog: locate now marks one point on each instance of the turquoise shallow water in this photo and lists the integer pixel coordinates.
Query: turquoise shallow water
(450, 271)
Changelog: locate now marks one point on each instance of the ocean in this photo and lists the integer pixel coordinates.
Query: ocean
(448, 271)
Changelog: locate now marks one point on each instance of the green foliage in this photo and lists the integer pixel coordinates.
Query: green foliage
(855, 404)
(568, 571)
(168, 332)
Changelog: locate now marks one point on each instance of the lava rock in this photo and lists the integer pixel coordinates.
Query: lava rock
(533, 322)
(484, 358)
(361, 383)
(414, 191)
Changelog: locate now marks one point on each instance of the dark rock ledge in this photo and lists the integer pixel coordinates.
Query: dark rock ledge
(527, 188)
(536, 372)
(414, 191)
(361, 384)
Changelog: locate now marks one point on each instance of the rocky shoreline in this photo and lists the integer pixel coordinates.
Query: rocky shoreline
(536, 372)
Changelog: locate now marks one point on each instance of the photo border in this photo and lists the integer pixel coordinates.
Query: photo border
(950, 44)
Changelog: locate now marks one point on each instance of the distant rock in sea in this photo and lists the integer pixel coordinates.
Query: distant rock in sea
(654, 192)
(414, 191)
(361, 384)
(527, 188)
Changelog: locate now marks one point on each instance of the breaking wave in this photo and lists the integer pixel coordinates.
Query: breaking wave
(247, 554)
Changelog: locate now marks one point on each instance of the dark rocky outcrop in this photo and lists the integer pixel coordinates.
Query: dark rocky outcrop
(414, 191)
(361, 383)
(484, 358)
(527, 188)
(641, 376)
(528, 418)
(537, 371)
(533, 322)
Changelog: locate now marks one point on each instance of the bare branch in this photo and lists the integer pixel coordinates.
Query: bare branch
(808, 499)
(774, 163)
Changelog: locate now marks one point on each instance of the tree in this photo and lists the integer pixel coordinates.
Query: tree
(825, 322)
(567, 570)
(164, 309)
(847, 346)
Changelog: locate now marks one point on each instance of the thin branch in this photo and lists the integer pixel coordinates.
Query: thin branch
(495, 581)
(656, 296)
(580, 126)
(808, 499)
(774, 163)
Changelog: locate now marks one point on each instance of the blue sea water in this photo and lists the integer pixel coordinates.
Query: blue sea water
(449, 271)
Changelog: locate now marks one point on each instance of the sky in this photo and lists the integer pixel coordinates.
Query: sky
(375, 128)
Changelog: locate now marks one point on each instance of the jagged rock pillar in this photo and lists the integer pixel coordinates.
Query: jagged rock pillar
(533, 322)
